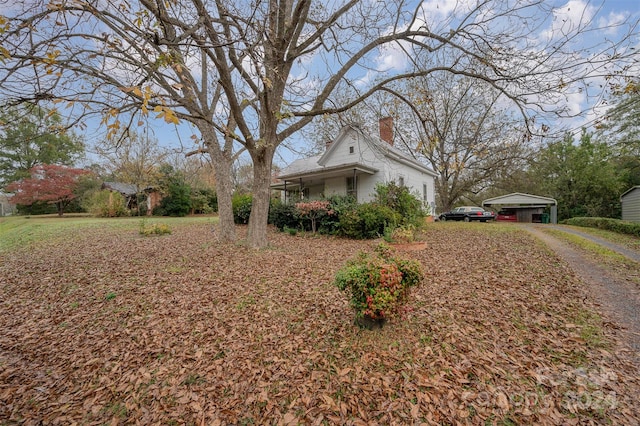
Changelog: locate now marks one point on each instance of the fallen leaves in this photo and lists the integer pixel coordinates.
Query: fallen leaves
(210, 334)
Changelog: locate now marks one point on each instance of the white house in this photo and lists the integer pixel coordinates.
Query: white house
(353, 164)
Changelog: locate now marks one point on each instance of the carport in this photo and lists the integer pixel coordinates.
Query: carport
(528, 208)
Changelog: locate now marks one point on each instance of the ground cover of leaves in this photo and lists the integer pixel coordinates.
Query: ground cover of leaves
(109, 327)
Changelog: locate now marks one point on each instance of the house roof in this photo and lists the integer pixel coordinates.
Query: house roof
(630, 190)
(520, 199)
(123, 188)
(316, 165)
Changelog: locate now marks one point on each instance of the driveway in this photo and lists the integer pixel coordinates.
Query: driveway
(617, 297)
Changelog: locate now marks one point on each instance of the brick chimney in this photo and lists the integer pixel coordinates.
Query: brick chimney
(386, 129)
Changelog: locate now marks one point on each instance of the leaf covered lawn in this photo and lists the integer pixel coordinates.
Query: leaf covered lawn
(108, 327)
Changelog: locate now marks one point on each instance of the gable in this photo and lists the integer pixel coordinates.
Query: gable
(352, 145)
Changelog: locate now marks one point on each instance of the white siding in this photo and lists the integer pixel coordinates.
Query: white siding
(316, 192)
(335, 186)
(631, 205)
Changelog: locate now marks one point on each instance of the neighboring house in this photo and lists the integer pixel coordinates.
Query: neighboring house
(129, 192)
(630, 201)
(6, 208)
(353, 164)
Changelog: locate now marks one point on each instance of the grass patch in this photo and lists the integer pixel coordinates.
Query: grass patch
(628, 241)
(602, 253)
(22, 231)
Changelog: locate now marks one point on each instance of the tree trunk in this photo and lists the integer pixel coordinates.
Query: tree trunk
(222, 163)
(259, 218)
(224, 192)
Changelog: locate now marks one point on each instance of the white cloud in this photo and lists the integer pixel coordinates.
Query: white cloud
(568, 18)
(392, 57)
(434, 10)
(612, 21)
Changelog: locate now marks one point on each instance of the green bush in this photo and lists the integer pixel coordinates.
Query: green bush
(200, 202)
(614, 225)
(398, 198)
(106, 203)
(367, 221)
(177, 202)
(241, 205)
(39, 207)
(339, 204)
(283, 216)
(378, 284)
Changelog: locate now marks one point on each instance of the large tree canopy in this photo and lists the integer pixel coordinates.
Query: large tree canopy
(29, 136)
(250, 74)
(581, 176)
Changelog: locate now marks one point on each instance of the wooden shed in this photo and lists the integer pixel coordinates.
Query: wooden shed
(528, 208)
(630, 201)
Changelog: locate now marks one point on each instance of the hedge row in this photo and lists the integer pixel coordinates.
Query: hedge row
(392, 206)
(608, 224)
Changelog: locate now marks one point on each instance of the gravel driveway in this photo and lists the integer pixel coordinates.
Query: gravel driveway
(618, 298)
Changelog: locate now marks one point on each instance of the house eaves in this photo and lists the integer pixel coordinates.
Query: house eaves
(321, 172)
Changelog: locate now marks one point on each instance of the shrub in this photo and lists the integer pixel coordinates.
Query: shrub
(378, 284)
(241, 205)
(153, 229)
(614, 225)
(400, 234)
(339, 204)
(314, 210)
(400, 200)
(177, 202)
(107, 203)
(200, 202)
(283, 216)
(367, 220)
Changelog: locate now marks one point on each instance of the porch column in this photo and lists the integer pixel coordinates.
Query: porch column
(355, 185)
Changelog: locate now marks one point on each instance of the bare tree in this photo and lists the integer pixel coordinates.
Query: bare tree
(135, 161)
(463, 131)
(251, 74)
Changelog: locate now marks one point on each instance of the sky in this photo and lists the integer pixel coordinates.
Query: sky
(566, 12)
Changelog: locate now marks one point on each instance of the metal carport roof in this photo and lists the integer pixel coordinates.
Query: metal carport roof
(519, 199)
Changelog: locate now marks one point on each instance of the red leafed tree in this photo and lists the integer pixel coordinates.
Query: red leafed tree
(48, 183)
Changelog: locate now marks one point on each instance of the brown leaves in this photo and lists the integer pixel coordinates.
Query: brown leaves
(205, 334)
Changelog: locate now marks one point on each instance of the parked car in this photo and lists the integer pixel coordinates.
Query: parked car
(507, 215)
(468, 213)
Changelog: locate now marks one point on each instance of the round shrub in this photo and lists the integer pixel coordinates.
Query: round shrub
(378, 284)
